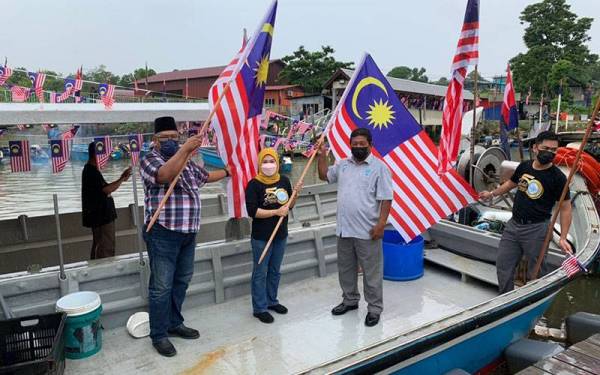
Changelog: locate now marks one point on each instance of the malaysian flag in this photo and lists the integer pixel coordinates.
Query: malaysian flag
(107, 94)
(572, 266)
(19, 94)
(37, 82)
(238, 117)
(21, 126)
(421, 196)
(19, 156)
(135, 145)
(46, 127)
(61, 152)
(70, 134)
(5, 73)
(467, 53)
(71, 86)
(103, 151)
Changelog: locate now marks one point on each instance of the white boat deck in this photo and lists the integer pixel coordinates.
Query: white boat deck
(234, 342)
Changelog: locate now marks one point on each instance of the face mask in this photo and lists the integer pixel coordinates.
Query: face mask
(545, 156)
(168, 148)
(268, 169)
(360, 153)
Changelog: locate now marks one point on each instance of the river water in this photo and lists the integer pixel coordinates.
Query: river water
(31, 193)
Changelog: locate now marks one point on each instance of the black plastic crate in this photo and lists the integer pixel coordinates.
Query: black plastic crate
(33, 345)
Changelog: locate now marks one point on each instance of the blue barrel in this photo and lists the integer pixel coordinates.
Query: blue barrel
(402, 261)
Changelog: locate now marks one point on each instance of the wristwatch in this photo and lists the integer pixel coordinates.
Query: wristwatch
(227, 174)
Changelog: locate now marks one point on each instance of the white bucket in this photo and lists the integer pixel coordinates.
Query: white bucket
(78, 303)
(138, 325)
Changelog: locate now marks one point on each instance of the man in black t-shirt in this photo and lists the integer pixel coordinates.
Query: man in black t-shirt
(539, 185)
(98, 207)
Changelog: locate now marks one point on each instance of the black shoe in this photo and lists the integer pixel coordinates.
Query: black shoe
(341, 309)
(371, 319)
(184, 332)
(164, 347)
(264, 317)
(279, 308)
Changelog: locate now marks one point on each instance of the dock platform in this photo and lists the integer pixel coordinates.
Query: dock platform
(581, 358)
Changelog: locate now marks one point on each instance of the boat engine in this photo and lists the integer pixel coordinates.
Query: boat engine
(486, 169)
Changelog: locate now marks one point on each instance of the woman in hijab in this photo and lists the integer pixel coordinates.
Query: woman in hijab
(267, 199)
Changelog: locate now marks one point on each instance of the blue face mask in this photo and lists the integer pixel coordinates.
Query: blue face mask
(168, 148)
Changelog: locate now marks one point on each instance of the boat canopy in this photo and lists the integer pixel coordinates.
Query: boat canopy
(95, 113)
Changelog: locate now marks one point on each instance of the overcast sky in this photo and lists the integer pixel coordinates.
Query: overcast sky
(60, 35)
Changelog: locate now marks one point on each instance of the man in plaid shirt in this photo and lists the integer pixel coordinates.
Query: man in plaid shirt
(171, 242)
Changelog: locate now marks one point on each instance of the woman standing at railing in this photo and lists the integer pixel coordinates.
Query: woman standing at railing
(267, 198)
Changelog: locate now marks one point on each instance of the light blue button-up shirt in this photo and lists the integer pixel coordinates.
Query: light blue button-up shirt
(361, 188)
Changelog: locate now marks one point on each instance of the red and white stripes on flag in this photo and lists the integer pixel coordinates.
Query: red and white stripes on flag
(61, 152)
(70, 134)
(108, 96)
(572, 266)
(421, 196)
(467, 53)
(39, 86)
(19, 93)
(135, 147)
(103, 151)
(5, 73)
(19, 156)
(237, 138)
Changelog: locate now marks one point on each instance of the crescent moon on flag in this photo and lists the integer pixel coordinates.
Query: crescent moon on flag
(362, 84)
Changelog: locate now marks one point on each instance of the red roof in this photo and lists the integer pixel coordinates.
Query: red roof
(178, 75)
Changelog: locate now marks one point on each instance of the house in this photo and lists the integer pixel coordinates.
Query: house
(278, 98)
(423, 100)
(199, 80)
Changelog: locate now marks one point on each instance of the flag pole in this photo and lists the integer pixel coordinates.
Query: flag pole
(549, 232)
(174, 182)
(558, 108)
(472, 146)
(312, 157)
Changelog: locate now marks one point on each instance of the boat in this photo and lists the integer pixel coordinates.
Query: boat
(79, 152)
(211, 157)
(452, 317)
(38, 155)
(286, 164)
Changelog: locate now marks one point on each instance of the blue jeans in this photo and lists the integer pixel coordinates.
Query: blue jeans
(265, 276)
(171, 257)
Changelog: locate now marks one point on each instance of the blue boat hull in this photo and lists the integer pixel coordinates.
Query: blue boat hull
(482, 348)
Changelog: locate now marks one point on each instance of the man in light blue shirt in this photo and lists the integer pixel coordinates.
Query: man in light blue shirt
(364, 199)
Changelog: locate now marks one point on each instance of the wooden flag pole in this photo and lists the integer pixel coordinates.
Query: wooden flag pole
(544, 248)
(473, 132)
(174, 182)
(294, 195)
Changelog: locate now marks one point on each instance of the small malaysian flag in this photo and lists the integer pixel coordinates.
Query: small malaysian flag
(572, 266)
(60, 154)
(19, 93)
(135, 147)
(107, 94)
(37, 81)
(5, 73)
(19, 156)
(70, 134)
(103, 151)
(46, 127)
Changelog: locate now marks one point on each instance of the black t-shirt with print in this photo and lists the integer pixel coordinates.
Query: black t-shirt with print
(268, 197)
(537, 191)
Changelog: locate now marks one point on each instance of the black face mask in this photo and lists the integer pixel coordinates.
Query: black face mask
(360, 153)
(545, 156)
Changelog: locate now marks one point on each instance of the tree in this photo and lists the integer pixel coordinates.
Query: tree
(101, 75)
(553, 33)
(404, 72)
(138, 74)
(442, 81)
(311, 69)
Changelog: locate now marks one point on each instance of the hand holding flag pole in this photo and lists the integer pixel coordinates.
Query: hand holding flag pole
(203, 130)
(588, 132)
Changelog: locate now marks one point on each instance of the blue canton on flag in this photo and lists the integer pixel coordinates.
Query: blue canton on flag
(421, 196)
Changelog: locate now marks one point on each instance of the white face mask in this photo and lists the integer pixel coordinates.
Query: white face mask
(269, 169)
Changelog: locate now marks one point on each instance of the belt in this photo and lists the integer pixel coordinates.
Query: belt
(527, 221)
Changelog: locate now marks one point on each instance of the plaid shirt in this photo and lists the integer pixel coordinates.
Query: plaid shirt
(182, 210)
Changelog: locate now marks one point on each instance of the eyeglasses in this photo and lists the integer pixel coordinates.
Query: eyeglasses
(174, 137)
(546, 148)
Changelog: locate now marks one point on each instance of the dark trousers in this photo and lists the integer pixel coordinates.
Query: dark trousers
(171, 257)
(519, 240)
(103, 242)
